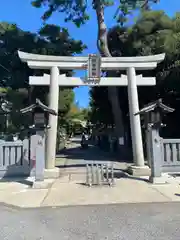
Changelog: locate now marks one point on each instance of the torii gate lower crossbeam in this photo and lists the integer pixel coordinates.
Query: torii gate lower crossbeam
(77, 81)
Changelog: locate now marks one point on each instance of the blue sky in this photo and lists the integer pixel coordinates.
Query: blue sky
(28, 18)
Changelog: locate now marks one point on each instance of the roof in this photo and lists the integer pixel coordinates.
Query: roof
(25, 57)
(155, 105)
(38, 104)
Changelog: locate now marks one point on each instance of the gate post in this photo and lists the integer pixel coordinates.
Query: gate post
(148, 143)
(155, 155)
(136, 135)
(1, 158)
(40, 156)
(53, 119)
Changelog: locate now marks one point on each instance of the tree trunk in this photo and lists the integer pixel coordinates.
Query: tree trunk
(102, 45)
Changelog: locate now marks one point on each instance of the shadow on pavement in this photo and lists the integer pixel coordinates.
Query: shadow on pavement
(118, 175)
(71, 166)
(91, 153)
(177, 194)
(76, 141)
(123, 174)
(20, 180)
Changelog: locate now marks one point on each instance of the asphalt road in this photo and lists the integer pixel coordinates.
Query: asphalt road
(110, 222)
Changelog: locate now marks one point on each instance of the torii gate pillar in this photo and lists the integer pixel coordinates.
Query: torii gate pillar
(135, 122)
(53, 120)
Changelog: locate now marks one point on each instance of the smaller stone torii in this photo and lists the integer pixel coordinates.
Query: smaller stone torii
(130, 64)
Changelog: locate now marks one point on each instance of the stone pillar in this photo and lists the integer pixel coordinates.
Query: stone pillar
(40, 156)
(52, 132)
(135, 123)
(156, 157)
(148, 149)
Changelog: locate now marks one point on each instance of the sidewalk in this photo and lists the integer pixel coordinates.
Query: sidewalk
(70, 190)
(65, 192)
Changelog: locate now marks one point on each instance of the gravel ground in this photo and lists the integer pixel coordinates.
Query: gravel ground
(123, 221)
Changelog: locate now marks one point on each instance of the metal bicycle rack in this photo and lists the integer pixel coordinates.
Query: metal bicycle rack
(99, 173)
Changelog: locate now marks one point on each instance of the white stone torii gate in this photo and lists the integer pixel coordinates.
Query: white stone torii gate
(130, 64)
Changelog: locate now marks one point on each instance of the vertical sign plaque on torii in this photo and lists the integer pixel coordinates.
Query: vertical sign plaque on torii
(94, 68)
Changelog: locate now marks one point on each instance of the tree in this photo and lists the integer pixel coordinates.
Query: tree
(77, 113)
(86, 114)
(75, 119)
(49, 40)
(77, 12)
(100, 106)
(153, 33)
(66, 99)
(14, 75)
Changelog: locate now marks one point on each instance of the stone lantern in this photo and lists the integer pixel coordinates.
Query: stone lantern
(40, 113)
(153, 114)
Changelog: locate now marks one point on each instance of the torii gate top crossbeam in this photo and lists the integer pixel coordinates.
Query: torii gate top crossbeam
(37, 61)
